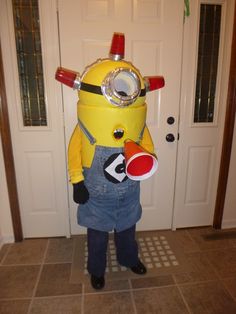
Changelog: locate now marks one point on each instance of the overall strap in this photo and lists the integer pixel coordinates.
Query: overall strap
(141, 134)
(86, 132)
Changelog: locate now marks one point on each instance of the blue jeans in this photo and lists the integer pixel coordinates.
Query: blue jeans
(126, 249)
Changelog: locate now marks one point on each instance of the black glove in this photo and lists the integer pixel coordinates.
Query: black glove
(80, 193)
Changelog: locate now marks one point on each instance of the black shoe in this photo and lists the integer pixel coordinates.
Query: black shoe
(97, 282)
(139, 269)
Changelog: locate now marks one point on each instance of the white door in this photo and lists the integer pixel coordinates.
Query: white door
(153, 31)
(39, 151)
(200, 142)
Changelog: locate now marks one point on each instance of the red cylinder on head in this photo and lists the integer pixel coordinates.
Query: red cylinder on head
(154, 82)
(68, 77)
(117, 50)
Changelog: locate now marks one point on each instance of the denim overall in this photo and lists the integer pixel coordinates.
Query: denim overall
(110, 205)
(114, 204)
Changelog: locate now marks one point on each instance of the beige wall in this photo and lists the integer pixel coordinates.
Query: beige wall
(6, 230)
(229, 217)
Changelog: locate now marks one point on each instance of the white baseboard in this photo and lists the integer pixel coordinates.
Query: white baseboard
(228, 224)
(6, 239)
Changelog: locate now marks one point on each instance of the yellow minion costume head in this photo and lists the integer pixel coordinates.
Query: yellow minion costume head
(112, 95)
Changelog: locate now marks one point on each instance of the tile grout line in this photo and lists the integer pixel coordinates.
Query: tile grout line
(193, 240)
(217, 275)
(82, 299)
(83, 286)
(27, 264)
(43, 297)
(38, 278)
(204, 250)
(197, 282)
(72, 258)
(128, 289)
(228, 290)
(106, 291)
(132, 296)
(5, 255)
(183, 298)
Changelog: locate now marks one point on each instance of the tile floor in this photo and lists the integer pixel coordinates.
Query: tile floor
(34, 278)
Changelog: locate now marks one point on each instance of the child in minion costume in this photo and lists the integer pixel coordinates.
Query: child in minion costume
(105, 177)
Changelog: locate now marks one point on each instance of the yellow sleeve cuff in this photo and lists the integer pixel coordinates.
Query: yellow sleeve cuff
(76, 177)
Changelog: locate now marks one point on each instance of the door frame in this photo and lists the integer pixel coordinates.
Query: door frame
(8, 157)
(225, 155)
(227, 136)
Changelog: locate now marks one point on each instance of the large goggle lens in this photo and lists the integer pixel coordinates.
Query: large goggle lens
(125, 84)
(121, 87)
